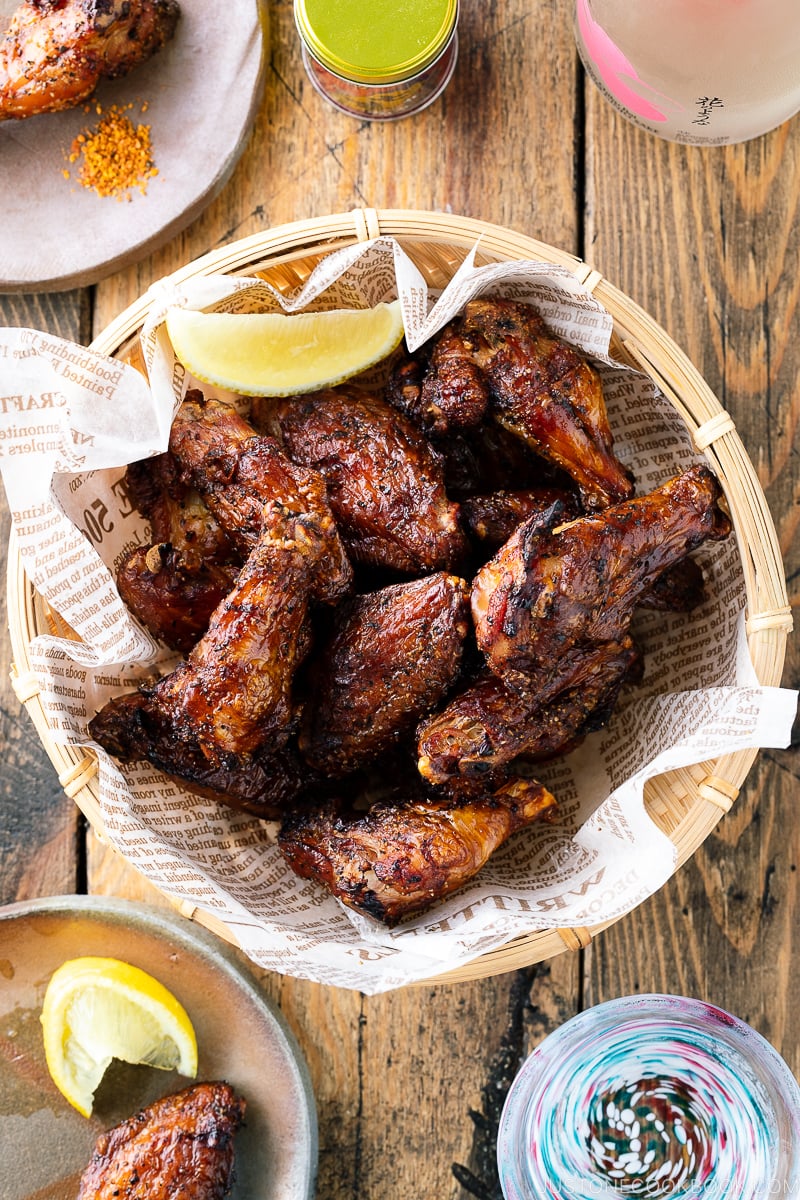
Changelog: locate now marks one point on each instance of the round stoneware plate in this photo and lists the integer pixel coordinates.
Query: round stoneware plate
(45, 1144)
(201, 92)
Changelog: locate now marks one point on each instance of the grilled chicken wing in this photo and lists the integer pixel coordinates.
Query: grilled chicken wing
(535, 385)
(171, 600)
(174, 585)
(442, 390)
(237, 472)
(385, 482)
(212, 721)
(392, 656)
(492, 519)
(55, 52)
(263, 783)
(545, 596)
(398, 859)
(180, 1148)
(488, 725)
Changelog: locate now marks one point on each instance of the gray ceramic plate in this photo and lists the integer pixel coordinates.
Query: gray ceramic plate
(202, 92)
(45, 1144)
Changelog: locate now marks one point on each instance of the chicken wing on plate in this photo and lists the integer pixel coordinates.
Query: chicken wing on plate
(399, 858)
(55, 52)
(182, 1147)
(238, 472)
(545, 596)
(488, 725)
(536, 386)
(391, 657)
(385, 481)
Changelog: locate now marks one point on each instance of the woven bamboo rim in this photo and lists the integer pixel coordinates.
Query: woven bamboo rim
(686, 804)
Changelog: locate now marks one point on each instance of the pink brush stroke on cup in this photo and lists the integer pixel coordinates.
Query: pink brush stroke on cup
(612, 66)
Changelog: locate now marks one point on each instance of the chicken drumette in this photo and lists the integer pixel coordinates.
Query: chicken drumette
(217, 719)
(55, 52)
(238, 472)
(385, 482)
(500, 359)
(546, 596)
(399, 858)
(390, 659)
(179, 1148)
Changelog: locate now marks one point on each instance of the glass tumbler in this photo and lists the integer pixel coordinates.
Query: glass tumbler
(651, 1096)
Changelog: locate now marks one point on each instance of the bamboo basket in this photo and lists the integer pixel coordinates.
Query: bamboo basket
(685, 804)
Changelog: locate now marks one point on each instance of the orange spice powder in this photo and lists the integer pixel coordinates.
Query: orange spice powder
(115, 158)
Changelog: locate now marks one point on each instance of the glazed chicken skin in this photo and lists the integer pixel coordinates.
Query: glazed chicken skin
(545, 596)
(264, 783)
(182, 1147)
(492, 519)
(174, 584)
(385, 482)
(238, 472)
(534, 384)
(397, 859)
(214, 721)
(177, 513)
(174, 602)
(55, 52)
(234, 690)
(488, 725)
(390, 659)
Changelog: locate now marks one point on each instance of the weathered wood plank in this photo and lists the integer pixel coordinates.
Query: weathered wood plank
(707, 241)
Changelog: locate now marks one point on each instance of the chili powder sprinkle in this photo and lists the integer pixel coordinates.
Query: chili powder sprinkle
(116, 157)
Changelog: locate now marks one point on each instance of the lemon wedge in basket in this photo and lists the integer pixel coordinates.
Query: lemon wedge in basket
(97, 1009)
(280, 354)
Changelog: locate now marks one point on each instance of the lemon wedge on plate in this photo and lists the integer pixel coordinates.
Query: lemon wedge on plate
(280, 354)
(98, 1009)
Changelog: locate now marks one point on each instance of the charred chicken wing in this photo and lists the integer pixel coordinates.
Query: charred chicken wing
(212, 720)
(391, 657)
(180, 1148)
(55, 52)
(536, 386)
(174, 585)
(397, 859)
(263, 783)
(545, 596)
(237, 472)
(488, 725)
(385, 482)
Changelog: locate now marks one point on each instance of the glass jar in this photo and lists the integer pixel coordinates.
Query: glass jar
(651, 1096)
(701, 72)
(378, 60)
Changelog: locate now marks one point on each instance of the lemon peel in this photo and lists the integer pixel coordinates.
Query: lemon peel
(280, 354)
(99, 1009)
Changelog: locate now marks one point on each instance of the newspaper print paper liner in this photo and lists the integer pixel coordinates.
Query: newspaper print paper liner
(700, 697)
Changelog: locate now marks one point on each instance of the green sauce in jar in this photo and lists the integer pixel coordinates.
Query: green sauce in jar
(379, 60)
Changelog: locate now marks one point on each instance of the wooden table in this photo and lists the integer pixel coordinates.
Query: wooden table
(410, 1085)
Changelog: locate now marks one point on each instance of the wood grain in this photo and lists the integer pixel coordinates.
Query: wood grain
(707, 241)
(410, 1085)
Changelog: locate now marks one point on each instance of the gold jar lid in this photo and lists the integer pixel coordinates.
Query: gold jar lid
(376, 41)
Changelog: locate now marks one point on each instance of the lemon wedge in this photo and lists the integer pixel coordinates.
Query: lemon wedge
(97, 1009)
(279, 354)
